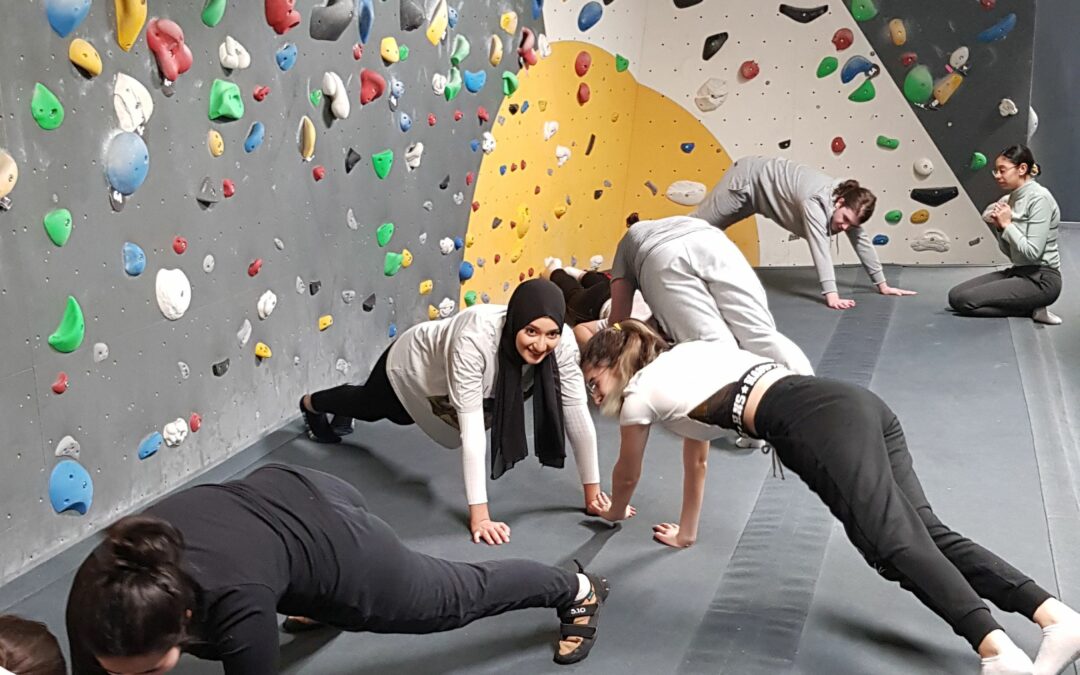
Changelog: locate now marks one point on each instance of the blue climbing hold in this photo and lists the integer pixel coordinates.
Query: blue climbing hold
(65, 15)
(502, 170)
(150, 445)
(397, 88)
(856, 65)
(71, 488)
(881, 239)
(474, 144)
(367, 17)
(538, 8)
(255, 137)
(393, 330)
(127, 162)
(134, 259)
(286, 56)
(687, 147)
(524, 107)
(452, 17)
(465, 271)
(590, 14)
(459, 243)
(405, 122)
(474, 82)
(999, 30)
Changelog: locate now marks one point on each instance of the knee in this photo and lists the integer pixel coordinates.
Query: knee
(961, 301)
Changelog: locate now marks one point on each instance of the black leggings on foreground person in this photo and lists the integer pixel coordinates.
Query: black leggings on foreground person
(206, 571)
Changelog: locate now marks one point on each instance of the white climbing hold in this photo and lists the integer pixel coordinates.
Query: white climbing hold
(428, 205)
(543, 46)
(413, 155)
(1033, 122)
(446, 245)
(342, 366)
(459, 198)
(278, 244)
(686, 192)
(185, 370)
(923, 167)
(233, 55)
(550, 129)
(132, 102)
(208, 263)
(266, 305)
(1007, 107)
(711, 95)
(300, 287)
(175, 432)
(446, 308)
(334, 89)
(68, 447)
(488, 143)
(562, 153)
(101, 352)
(959, 58)
(173, 292)
(350, 220)
(296, 360)
(595, 262)
(348, 296)
(244, 334)
(423, 237)
(438, 84)
(932, 240)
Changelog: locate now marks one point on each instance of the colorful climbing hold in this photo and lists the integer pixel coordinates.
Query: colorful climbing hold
(130, 17)
(945, 88)
(978, 161)
(325, 321)
(474, 81)
(149, 445)
(685, 147)
(460, 50)
(865, 92)
(68, 336)
(365, 20)
(828, 66)
(863, 10)
(880, 239)
(392, 263)
(583, 93)
(46, 108)
(195, 422)
(465, 271)
(254, 137)
(426, 286)
(60, 384)
(212, 12)
(920, 216)
(215, 143)
(58, 226)
(999, 31)
(842, 39)
(127, 162)
(918, 85)
(803, 14)
(282, 15)
(838, 145)
(70, 486)
(893, 217)
(134, 259)
(318, 172)
(888, 143)
(908, 59)
(228, 188)
(225, 101)
(262, 350)
(384, 233)
(65, 15)
(588, 17)
(179, 245)
(470, 298)
(165, 38)
(306, 137)
(453, 84)
(510, 83)
(388, 50)
(858, 65)
(898, 32)
(582, 63)
(437, 23)
(749, 70)
(83, 55)
(382, 163)
(286, 56)
(621, 63)
(372, 86)
(260, 92)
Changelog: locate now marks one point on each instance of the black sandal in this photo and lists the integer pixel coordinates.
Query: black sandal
(342, 425)
(318, 428)
(587, 631)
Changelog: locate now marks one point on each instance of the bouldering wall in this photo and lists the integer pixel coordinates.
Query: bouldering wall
(217, 268)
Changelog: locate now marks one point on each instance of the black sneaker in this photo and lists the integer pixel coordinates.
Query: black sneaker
(318, 427)
(342, 425)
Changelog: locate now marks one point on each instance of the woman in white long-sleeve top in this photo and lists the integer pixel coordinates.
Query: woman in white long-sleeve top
(806, 202)
(457, 376)
(1025, 224)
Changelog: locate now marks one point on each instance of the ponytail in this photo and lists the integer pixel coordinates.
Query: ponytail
(624, 348)
(28, 648)
(858, 198)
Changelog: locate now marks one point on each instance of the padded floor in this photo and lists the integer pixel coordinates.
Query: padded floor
(955, 383)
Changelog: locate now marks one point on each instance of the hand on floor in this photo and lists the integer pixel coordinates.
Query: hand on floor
(491, 532)
(886, 289)
(834, 301)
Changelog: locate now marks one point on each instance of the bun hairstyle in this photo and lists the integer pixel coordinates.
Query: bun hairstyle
(857, 197)
(132, 596)
(1021, 154)
(28, 648)
(624, 348)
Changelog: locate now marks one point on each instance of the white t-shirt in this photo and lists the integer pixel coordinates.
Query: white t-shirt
(639, 310)
(668, 389)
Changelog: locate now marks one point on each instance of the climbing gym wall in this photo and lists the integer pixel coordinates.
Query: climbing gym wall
(208, 209)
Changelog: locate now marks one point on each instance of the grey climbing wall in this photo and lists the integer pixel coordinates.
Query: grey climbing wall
(1056, 99)
(110, 406)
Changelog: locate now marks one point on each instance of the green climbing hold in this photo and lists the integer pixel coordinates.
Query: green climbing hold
(888, 143)
(58, 226)
(46, 108)
(978, 161)
(863, 10)
(69, 334)
(212, 12)
(393, 262)
(461, 50)
(226, 101)
(453, 84)
(383, 234)
(316, 97)
(510, 83)
(403, 52)
(621, 63)
(864, 93)
(470, 298)
(828, 66)
(382, 161)
(919, 85)
(893, 217)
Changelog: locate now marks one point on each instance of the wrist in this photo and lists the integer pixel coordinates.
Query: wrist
(478, 513)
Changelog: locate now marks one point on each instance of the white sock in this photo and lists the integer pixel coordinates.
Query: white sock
(1044, 315)
(1060, 646)
(583, 587)
(574, 272)
(747, 442)
(552, 263)
(1011, 661)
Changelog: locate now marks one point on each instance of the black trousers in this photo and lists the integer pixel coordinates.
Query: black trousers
(403, 591)
(1017, 291)
(369, 402)
(847, 446)
(585, 297)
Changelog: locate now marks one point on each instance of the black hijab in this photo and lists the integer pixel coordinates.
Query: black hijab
(531, 300)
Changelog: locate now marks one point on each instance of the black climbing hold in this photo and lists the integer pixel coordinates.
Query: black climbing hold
(369, 303)
(934, 196)
(803, 14)
(220, 368)
(207, 192)
(513, 108)
(608, 2)
(351, 159)
(784, 145)
(495, 222)
(314, 287)
(330, 21)
(597, 194)
(411, 15)
(445, 182)
(592, 142)
(713, 43)
(684, 4)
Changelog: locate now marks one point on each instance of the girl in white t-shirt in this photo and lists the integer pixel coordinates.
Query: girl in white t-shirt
(457, 376)
(847, 446)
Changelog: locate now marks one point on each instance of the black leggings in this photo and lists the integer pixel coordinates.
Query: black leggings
(585, 297)
(408, 592)
(369, 402)
(1017, 291)
(847, 446)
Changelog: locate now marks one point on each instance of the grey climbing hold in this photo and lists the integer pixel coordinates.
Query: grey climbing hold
(369, 303)
(244, 334)
(711, 95)
(342, 366)
(101, 352)
(175, 432)
(351, 160)
(185, 370)
(278, 244)
(411, 15)
(266, 305)
(208, 194)
(301, 287)
(350, 220)
(445, 182)
(713, 43)
(330, 21)
(803, 14)
(932, 240)
(348, 296)
(208, 263)
(652, 187)
(68, 447)
(220, 368)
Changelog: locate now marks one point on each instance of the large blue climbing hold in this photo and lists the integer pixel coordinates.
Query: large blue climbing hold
(367, 17)
(150, 445)
(538, 8)
(134, 259)
(452, 17)
(127, 162)
(856, 65)
(255, 137)
(999, 30)
(65, 15)
(465, 271)
(286, 57)
(881, 239)
(474, 82)
(590, 14)
(71, 488)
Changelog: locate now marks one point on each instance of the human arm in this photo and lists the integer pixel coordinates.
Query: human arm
(243, 626)
(864, 248)
(695, 468)
(579, 424)
(583, 332)
(622, 300)
(1029, 242)
(816, 229)
(627, 472)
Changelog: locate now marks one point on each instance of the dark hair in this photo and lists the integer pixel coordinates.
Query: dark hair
(632, 218)
(857, 197)
(1021, 154)
(131, 596)
(28, 648)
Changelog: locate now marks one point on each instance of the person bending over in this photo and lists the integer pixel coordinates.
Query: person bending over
(28, 648)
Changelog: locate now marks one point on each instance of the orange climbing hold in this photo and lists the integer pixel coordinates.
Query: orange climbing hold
(583, 94)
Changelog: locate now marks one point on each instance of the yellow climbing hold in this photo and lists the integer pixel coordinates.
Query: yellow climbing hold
(518, 251)
(946, 87)
(437, 26)
(508, 22)
(83, 55)
(542, 105)
(406, 257)
(524, 220)
(307, 138)
(215, 142)
(130, 18)
(560, 210)
(262, 350)
(432, 312)
(470, 239)
(920, 216)
(495, 50)
(426, 286)
(898, 32)
(325, 321)
(388, 50)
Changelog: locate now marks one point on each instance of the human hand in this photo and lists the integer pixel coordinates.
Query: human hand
(886, 289)
(834, 301)
(491, 532)
(1002, 215)
(601, 506)
(670, 535)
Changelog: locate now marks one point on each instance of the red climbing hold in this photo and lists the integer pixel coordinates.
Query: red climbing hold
(319, 172)
(497, 258)
(195, 422)
(431, 119)
(909, 58)
(166, 39)
(988, 4)
(372, 86)
(228, 188)
(458, 115)
(482, 114)
(521, 277)
(528, 57)
(838, 145)
(513, 167)
(582, 63)
(583, 94)
(179, 245)
(475, 206)
(531, 271)
(522, 165)
(281, 16)
(61, 384)
(536, 191)
(261, 92)
(842, 39)
(469, 178)
(527, 48)
(749, 70)
(357, 51)
(254, 267)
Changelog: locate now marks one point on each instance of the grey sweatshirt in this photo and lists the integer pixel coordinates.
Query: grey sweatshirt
(1031, 239)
